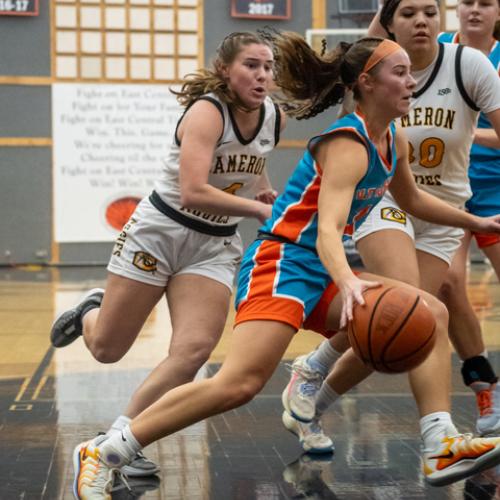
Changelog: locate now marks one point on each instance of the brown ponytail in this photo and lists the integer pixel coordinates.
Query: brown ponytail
(310, 82)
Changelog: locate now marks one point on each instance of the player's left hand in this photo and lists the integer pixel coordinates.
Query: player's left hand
(267, 196)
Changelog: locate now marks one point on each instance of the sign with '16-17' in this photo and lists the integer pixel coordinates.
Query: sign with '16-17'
(18, 7)
(261, 9)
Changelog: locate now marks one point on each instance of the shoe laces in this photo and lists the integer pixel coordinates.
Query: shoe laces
(309, 388)
(96, 475)
(450, 440)
(484, 402)
(465, 440)
(303, 370)
(315, 427)
(470, 443)
(119, 474)
(466, 436)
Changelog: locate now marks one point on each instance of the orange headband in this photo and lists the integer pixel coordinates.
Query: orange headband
(384, 49)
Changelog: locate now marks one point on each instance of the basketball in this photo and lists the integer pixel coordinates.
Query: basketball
(394, 331)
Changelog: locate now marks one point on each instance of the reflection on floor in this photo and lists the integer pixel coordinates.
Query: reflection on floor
(50, 400)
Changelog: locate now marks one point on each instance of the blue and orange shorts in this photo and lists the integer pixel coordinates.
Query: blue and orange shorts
(485, 200)
(284, 282)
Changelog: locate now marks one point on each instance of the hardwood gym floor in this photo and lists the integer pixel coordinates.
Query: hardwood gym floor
(51, 400)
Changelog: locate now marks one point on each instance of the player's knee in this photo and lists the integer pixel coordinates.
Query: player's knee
(445, 291)
(240, 391)
(191, 356)
(450, 286)
(105, 353)
(439, 311)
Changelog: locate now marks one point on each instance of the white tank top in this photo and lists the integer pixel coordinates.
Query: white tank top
(237, 163)
(442, 119)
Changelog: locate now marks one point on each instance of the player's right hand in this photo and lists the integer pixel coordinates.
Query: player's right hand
(352, 293)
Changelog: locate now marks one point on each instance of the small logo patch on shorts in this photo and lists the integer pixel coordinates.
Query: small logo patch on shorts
(145, 262)
(394, 215)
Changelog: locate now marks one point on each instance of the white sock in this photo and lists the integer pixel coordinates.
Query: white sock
(120, 448)
(325, 398)
(323, 358)
(118, 425)
(434, 427)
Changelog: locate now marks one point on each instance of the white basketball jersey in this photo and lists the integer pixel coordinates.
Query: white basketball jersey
(237, 163)
(442, 119)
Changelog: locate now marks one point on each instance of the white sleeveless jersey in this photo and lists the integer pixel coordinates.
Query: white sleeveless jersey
(443, 116)
(237, 163)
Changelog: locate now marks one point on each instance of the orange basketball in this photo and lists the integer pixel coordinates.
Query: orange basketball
(394, 331)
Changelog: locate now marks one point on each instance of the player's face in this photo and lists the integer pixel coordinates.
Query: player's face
(415, 25)
(394, 83)
(478, 17)
(250, 74)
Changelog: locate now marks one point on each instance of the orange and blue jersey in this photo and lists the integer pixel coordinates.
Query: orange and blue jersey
(295, 212)
(281, 276)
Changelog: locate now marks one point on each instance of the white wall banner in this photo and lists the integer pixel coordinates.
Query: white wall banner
(108, 146)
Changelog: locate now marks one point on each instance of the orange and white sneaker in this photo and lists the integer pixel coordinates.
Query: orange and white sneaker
(93, 476)
(459, 457)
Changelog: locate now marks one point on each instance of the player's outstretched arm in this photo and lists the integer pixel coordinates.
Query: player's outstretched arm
(344, 162)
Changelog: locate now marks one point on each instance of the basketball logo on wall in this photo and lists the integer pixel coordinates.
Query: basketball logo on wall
(118, 212)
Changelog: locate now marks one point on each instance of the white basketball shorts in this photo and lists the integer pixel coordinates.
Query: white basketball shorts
(152, 247)
(437, 240)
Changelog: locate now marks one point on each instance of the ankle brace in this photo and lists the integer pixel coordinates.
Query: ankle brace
(478, 369)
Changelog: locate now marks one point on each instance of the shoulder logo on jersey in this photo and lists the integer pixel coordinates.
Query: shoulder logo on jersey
(445, 91)
(393, 214)
(264, 142)
(145, 262)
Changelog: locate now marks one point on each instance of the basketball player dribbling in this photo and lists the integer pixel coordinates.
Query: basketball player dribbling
(477, 19)
(182, 242)
(297, 268)
(440, 129)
